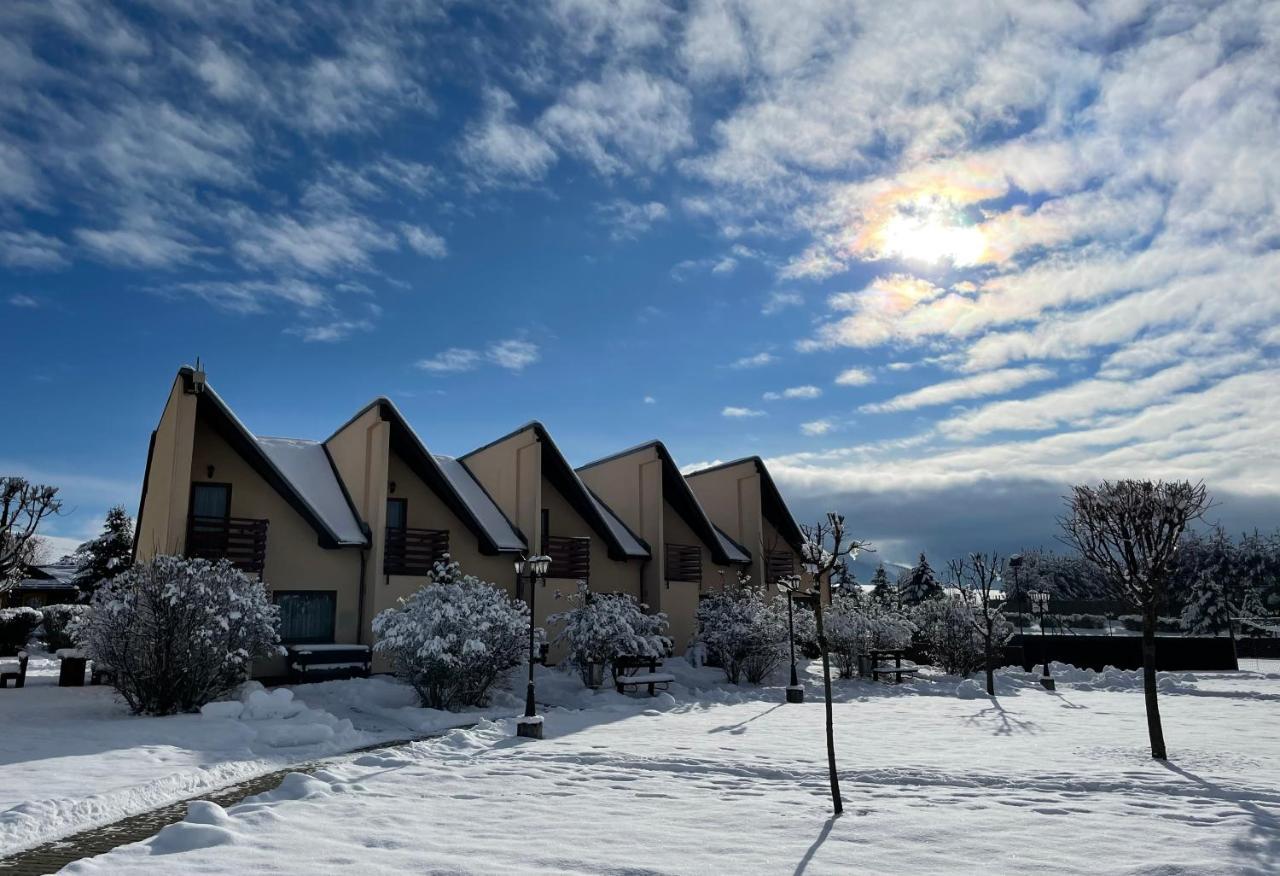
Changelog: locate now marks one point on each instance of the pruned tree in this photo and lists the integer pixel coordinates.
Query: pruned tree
(23, 505)
(1131, 530)
(979, 578)
(827, 545)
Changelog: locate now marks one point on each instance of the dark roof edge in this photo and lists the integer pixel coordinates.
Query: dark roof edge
(620, 454)
(380, 400)
(392, 414)
(532, 424)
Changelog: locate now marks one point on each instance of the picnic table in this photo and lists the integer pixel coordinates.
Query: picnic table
(873, 665)
(636, 672)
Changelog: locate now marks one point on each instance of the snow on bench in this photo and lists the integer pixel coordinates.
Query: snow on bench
(648, 678)
(629, 672)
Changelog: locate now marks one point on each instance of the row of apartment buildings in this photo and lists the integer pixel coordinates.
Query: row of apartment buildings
(343, 528)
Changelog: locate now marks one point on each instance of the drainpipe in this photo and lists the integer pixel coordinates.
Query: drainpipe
(364, 561)
(643, 594)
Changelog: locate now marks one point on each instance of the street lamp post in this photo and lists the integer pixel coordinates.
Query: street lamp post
(788, 587)
(1015, 563)
(530, 726)
(1040, 601)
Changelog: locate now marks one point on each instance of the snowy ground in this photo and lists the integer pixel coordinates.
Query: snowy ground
(936, 778)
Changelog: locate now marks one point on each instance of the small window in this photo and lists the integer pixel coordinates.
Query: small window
(397, 513)
(306, 616)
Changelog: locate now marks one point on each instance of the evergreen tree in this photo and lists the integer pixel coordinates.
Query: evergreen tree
(881, 590)
(844, 582)
(1206, 612)
(107, 555)
(920, 583)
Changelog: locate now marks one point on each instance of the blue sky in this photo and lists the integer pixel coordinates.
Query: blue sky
(933, 262)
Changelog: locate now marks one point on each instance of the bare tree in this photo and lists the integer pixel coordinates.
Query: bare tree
(826, 545)
(1131, 531)
(977, 578)
(22, 506)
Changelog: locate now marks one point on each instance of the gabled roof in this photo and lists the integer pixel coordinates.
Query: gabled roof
(621, 541)
(774, 507)
(677, 493)
(300, 471)
(53, 576)
(450, 481)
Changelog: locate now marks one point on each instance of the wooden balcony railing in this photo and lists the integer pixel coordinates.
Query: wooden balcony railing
(683, 562)
(570, 556)
(242, 540)
(778, 564)
(414, 551)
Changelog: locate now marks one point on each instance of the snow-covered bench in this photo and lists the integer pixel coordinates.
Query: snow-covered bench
(630, 672)
(18, 678)
(322, 662)
(870, 666)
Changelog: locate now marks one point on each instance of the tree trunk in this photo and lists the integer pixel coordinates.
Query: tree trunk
(836, 802)
(1231, 629)
(1154, 727)
(991, 672)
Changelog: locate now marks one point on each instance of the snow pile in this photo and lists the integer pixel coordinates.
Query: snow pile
(278, 720)
(1110, 678)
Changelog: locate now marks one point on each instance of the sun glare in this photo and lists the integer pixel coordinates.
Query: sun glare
(932, 238)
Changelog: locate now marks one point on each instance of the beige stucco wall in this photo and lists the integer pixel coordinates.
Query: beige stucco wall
(162, 520)
(295, 560)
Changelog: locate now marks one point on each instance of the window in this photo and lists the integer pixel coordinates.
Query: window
(306, 616)
(397, 513)
(211, 500)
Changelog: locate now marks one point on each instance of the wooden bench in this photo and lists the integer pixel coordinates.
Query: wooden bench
(636, 672)
(72, 666)
(325, 662)
(18, 678)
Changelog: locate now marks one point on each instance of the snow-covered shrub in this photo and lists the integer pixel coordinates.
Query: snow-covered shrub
(855, 627)
(949, 635)
(744, 632)
(178, 632)
(16, 627)
(59, 623)
(602, 627)
(454, 638)
(1207, 611)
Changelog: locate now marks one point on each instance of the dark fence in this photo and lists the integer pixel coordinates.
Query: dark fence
(1122, 652)
(1258, 647)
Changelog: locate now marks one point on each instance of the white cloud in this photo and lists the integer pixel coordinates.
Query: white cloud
(31, 249)
(759, 360)
(630, 220)
(25, 301)
(976, 386)
(817, 427)
(807, 392)
(780, 301)
(650, 400)
(313, 244)
(424, 241)
(739, 413)
(253, 296)
(855, 377)
(500, 150)
(513, 354)
(141, 247)
(451, 360)
(330, 332)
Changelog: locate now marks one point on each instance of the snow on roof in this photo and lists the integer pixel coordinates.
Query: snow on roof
(306, 465)
(737, 553)
(631, 545)
(486, 513)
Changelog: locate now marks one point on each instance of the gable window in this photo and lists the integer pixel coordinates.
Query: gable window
(211, 500)
(306, 616)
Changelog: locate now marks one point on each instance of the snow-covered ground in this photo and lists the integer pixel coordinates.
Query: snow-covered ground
(74, 758)
(936, 778)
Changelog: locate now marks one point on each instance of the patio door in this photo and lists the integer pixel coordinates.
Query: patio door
(210, 510)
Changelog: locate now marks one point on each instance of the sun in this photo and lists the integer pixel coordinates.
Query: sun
(932, 232)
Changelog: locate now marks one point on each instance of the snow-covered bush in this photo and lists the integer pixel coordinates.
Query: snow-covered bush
(454, 638)
(16, 627)
(1207, 611)
(855, 627)
(602, 627)
(178, 633)
(949, 635)
(744, 632)
(59, 624)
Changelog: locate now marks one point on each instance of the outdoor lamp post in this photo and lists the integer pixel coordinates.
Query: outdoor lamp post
(1015, 563)
(789, 586)
(530, 726)
(1040, 602)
